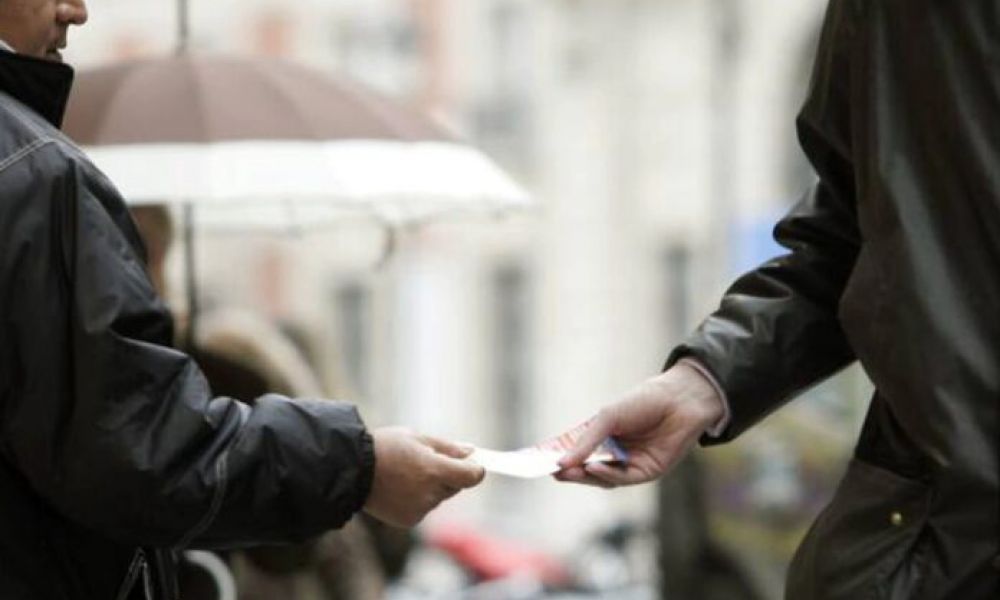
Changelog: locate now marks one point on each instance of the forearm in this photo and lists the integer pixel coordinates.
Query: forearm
(767, 343)
(168, 465)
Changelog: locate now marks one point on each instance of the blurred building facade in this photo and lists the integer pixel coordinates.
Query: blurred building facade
(655, 135)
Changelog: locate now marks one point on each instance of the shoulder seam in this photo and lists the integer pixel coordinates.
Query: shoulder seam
(24, 151)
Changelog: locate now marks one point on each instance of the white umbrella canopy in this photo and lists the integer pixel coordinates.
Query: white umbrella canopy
(265, 144)
(296, 186)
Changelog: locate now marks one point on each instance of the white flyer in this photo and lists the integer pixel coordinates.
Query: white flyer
(527, 463)
(543, 459)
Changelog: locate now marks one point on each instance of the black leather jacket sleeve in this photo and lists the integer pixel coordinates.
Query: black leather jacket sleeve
(776, 331)
(118, 431)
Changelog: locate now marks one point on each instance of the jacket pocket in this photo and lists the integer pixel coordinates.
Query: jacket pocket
(862, 538)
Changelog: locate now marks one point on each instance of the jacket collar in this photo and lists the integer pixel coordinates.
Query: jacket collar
(41, 85)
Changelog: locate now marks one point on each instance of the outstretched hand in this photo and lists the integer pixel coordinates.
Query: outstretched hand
(657, 422)
(414, 473)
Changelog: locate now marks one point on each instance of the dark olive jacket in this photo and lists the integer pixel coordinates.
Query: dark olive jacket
(113, 452)
(894, 261)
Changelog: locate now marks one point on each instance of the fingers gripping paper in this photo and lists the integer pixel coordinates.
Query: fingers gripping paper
(543, 459)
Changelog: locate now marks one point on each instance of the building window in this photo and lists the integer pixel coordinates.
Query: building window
(353, 308)
(677, 280)
(513, 358)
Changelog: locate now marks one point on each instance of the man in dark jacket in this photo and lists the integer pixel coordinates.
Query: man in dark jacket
(113, 454)
(894, 261)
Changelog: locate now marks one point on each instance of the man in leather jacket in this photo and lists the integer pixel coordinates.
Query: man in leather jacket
(113, 453)
(894, 261)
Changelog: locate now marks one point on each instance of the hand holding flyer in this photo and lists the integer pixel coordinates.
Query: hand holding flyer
(543, 459)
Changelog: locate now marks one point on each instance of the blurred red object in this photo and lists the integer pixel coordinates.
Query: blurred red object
(490, 558)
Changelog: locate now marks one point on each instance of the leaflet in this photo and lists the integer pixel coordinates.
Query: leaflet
(543, 459)
(527, 463)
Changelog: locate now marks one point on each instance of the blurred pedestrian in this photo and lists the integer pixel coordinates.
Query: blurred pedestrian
(244, 357)
(894, 261)
(113, 453)
(336, 565)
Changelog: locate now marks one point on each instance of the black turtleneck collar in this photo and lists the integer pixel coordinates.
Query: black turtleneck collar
(41, 85)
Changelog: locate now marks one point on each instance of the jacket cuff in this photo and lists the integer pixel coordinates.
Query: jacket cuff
(722, 430)
(716, 429)
(366, 476)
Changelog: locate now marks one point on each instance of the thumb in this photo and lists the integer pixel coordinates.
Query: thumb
(448, 448)
(460, 474)
(597, 430)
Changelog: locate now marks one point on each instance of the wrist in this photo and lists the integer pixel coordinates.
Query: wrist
(697, 394)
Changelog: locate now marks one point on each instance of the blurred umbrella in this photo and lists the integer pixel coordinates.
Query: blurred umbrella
(256, 143)
(251, 144)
